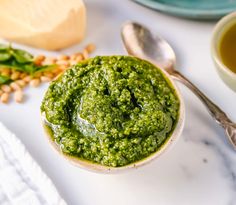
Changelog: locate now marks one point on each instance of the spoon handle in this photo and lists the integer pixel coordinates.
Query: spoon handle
(219, 116)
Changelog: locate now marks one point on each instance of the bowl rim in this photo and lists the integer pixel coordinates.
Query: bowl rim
(97, 168)
(218, 30)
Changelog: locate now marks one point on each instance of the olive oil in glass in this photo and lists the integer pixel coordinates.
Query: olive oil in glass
(227, 48)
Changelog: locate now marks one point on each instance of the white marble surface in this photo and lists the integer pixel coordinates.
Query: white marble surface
(201, 167)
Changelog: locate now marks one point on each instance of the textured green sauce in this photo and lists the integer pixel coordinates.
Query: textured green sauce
(111, 110)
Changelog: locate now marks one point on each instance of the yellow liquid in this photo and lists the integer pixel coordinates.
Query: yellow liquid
(227, 48)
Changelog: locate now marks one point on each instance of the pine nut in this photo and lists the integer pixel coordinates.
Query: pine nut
(4, 98)
(56, 70)
(63, 62)
(39, 59)
(35, 82)
(63, 57)
(73, 57)
(22, 75)
(27, 79)
(45, 79)
(21, 83)
(38, 74)
(6, 88)
(79, 54)
(90, 47)
(49, 61)
(15, 75)
(48, 74)
(18, 96)
(85, 54)
(6, 72)
(15, 86)
(73, 62)
(79, 58)
(62, 68)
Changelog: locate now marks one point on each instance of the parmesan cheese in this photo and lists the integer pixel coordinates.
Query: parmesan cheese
(47, 24)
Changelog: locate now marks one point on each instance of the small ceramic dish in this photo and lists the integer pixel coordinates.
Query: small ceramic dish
(88, 165)
(207, 9)
(228, 76)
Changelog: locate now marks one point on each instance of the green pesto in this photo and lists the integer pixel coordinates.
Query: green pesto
(111, 110)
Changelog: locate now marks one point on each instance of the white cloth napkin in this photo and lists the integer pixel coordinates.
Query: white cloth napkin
(22, 182)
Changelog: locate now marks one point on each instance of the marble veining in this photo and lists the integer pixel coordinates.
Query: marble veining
(200, 169)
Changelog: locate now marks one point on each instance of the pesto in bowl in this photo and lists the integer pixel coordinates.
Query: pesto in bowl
(111, 110)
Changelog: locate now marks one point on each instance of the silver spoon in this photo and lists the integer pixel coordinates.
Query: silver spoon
(140, 42)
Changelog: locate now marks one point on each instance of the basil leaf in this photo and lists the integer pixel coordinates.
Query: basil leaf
(4, 47)
(29, 68)
(4, 56)
(17, 59)
(44, 68)
(22, 56)
(4, 79)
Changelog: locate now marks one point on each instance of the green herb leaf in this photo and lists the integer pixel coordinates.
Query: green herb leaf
(4, 79)
(44, 68)
(22, 56)
(4, 56)
(19, 60)
(29, 68)
(4, 47)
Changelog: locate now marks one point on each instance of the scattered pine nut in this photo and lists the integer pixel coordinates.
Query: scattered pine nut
(21, 79)
(63, 57)
(6, 72)
(27, 79)
(15, 75)
(63, 62)
(15, 86)
(4, 98)
(35, 82)
(39, 59)
(73, 62)
(48, 74)
(85, 54)
(18, 96)
(79, 58)
(5, 69)
(45, 79)
(21, 83)
(49, 61)
(90, 47)
(22, 75)
(56, 70)
(38, 74)
(6, 88)
(63, 68)
(73, 57)
(79, 54)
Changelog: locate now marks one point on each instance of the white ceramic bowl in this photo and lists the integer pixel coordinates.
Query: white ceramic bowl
(228, 76)
(105, 169)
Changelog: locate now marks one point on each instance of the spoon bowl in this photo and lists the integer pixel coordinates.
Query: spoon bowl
(140, 42)
(157, 50)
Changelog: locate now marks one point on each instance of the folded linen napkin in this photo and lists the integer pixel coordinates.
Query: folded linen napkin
(22, 182)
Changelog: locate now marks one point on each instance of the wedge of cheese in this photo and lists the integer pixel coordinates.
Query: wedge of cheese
(47, 24)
